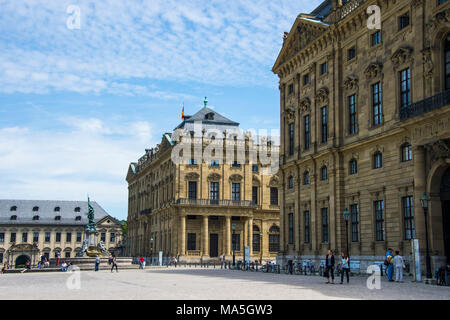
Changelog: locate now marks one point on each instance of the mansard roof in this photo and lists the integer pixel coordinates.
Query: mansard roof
(46, 212)
(207, 116)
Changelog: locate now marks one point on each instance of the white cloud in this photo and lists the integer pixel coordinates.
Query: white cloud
(91, 157)
(123, 46)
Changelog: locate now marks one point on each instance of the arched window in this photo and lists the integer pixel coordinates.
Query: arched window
(78, 218)
(353, 166)
(13, 217)
(13, 208)
(57, 218)
(57, 209)
(256, 241)
(274, 229)
(255, 228)
(406, 152)
(35, 208)
(36, 218)
(324, 173)
(377, 160)
(274, 239)
(77, 209)
(291, 182)
(306, 178)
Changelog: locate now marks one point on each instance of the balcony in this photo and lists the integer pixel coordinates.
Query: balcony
(349, 7)
(209, 202)
(424, 106)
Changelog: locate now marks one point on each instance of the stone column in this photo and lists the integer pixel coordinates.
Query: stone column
(182, 248)
(250, 235)
(228, 235)
(205, 236)
(419, 189)
(245, 233)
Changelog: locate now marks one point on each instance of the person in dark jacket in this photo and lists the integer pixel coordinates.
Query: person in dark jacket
(329, 266)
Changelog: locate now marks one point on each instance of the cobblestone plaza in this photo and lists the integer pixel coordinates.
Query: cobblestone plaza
(204, 284)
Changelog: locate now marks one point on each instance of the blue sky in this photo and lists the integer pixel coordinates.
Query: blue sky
(78, 105)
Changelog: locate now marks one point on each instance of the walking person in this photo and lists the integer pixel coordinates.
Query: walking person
(141, 263)
(345, 267)
(399, 264)
(114, 263)
(58, 258)
(110, 258)
(389, 262)
(329, 267)
(97, 263)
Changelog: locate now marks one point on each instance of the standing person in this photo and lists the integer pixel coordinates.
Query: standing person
(345, 267)
(97, 263)
(329, 267)
(399, 264)
(110, 258)
(5, 267)
(27, 266)
(141, 263)
(174, 260)
(390, 264)
(58, 257)
(114, 263)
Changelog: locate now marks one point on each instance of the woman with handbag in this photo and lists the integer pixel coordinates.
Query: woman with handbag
(329, 267)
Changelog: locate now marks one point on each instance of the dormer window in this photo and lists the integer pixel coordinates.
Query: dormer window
(209, 116)
(58, 218)
(13, 208)
(36, 218)
(77, 209)
(78, 218)
(13, 217)
(57, 209)
(35, 209)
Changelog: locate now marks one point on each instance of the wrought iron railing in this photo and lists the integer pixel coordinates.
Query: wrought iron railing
(426, 105)
(349, 7)
(210, 202)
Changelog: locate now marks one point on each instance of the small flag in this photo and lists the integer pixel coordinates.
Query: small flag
(182, 113)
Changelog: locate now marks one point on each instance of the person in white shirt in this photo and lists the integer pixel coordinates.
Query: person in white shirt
(398, 264)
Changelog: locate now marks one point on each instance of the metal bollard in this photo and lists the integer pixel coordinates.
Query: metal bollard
(278, 268)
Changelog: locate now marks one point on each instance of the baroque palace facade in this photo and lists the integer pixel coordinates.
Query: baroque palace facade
(365, 125)
(200, 210)
(29, 228)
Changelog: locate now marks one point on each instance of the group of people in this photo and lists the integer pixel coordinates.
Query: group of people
(329, 267)
(394, 262)
(43, 262)
(112, 260)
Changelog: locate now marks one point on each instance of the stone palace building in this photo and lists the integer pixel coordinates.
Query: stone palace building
(365, 125)
(29, 228)
(202, 210)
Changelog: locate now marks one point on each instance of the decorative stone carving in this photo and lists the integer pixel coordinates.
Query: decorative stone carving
(401, 56)
(214, 177)
(322, 96)
(428, 63)
(274, 181)
(351, 83)
(290, 113)
(439, 149)
(440, 18)
(305, 104)
(190, 176)
(373, 70)
(235, 178)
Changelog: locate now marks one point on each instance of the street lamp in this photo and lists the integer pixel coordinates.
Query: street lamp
(346, 218)
(424, 201)
(233, 227)
(151, 251)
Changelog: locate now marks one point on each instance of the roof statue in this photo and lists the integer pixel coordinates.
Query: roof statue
(90, 227)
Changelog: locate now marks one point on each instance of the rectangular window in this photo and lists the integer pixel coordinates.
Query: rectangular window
(67, 254)
(324, 224)
(274, 196)
(353, 115)
(79, 235)
(351, 54)
(192, 162)
(1, 257)
(47, 237)
(214, 163)
(307, 132)
(35, 236)
(236, 242)
(376, 38)
(2, 237)
(405, 88)
(255, 195)
(291, 139)
(291, 228)
(291, 88)
(13, 237)
(25, 237)
(379, 220)
(354, 215)
(192, 190)
(274, 242)
(307, 227)
(306, 79)
(255, 168)
(256, 242)
(441, 2)
(112, 237)
(408, 217)
(191, 241)
(324, 113)
(58, 237)
(403, 21)
(323, 68)
(376, 103)
(69, 237)
(214, 193)
(103, 236)
(236, 191)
